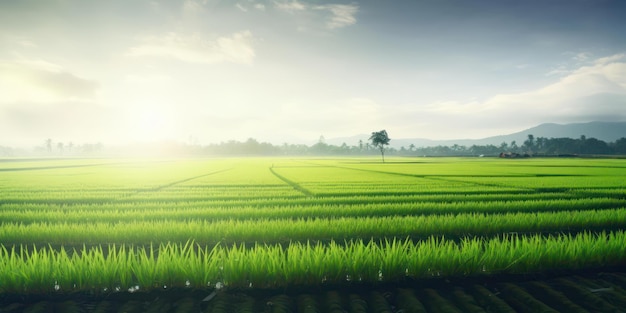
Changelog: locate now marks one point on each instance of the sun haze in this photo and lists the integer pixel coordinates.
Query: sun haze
(119, 72)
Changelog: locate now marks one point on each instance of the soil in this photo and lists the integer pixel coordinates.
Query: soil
(598, 290)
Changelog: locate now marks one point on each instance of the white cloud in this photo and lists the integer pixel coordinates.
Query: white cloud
(600, 77)
(252, 5)
(192, 7)
(241, 7)
(582, 56)
(290, 6)
(610, 59)
(583, 59)
(36, 80)
(27, 44)
(147, 79)
(596, 91)
(342, 15)
(307, 119)
(61, 121)
(561, 70)
(195, 48)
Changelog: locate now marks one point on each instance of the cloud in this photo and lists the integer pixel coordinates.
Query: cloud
(610, 59)
(27, 43)
(583, 59)
(36, 80)
(342, 15)
(241, 7)
(195, 48)
(590, 92)
(310, 119)
(193, 7)
(582, 56)
(62, 121)
(561, 70)
(147, 79)
(290, 6)
(256, 6)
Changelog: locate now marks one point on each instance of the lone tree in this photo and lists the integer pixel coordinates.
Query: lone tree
(379, 140)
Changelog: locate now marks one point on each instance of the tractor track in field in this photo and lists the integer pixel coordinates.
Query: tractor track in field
(158, 188)
(578, 292)
(431, 177)
(450, 178)
(161, 187)
(293, 184)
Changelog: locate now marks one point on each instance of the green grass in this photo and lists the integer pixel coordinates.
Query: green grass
(271, 222)
(302, 228)
(36, 270)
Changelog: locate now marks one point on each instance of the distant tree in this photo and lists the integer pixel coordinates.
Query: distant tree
(60, 146)
(504, 146)
(530, 143)
(320, 147)
(540, 144)
(49, 145)
(582, 144)
(620, 146)
(322, 139)
(595, 146)
(411, 147)
(379, 140)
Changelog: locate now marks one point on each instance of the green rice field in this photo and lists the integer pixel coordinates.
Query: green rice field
(350, 230)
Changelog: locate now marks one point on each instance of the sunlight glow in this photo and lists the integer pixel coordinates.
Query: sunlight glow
(150, 125)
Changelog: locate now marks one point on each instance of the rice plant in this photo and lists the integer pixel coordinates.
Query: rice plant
(129, 225)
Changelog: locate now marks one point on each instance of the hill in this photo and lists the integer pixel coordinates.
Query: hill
(606, 131)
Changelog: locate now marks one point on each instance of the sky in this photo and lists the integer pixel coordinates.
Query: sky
(208, 71)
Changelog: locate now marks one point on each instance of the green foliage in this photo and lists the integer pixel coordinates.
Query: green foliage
(379, 140)
(104, 225)
(26, 269)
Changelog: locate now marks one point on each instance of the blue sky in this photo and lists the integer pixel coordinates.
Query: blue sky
(290, 71)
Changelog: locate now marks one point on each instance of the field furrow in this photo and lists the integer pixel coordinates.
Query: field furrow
(241, 226)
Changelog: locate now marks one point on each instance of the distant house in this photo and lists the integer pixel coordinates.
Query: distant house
(512, 155)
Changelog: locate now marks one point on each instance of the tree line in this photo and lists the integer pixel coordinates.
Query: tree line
(540, 146)
(532, 146)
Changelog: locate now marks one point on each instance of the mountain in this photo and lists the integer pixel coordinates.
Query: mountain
(606, 131)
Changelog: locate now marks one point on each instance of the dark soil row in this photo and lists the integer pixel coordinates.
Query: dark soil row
(595, 291)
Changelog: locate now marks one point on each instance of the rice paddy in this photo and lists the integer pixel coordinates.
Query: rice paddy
(107, 226)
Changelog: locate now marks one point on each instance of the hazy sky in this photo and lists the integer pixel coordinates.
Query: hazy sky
(122, 71)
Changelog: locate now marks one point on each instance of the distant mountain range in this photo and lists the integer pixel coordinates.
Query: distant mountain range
(606, 131)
